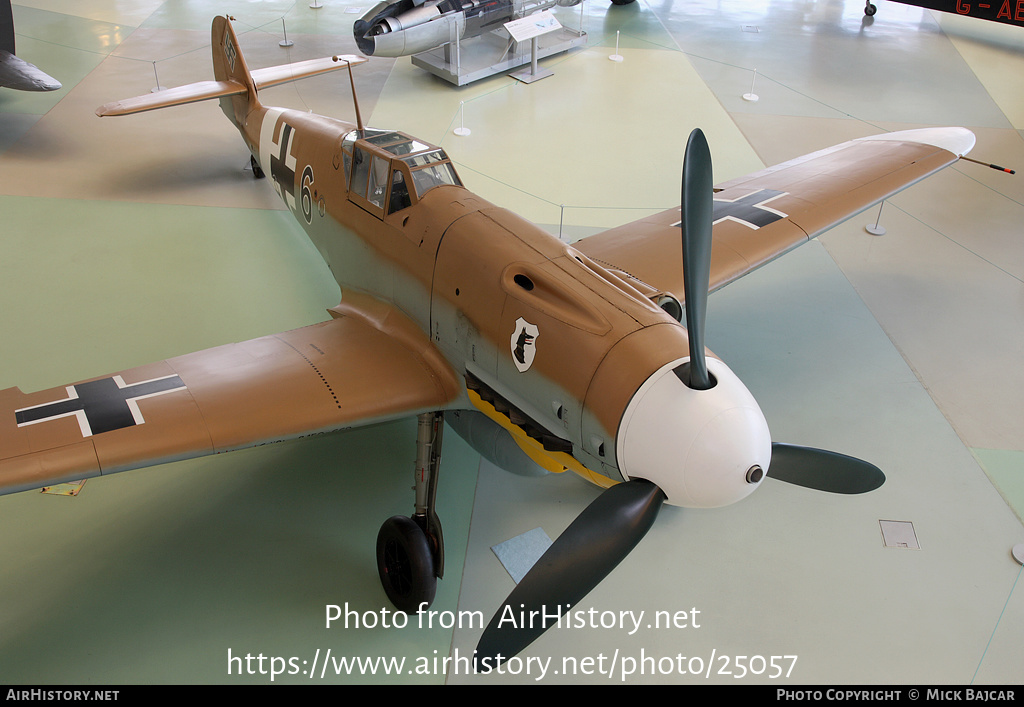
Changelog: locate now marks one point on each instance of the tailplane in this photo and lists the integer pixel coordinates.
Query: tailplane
(235, 86)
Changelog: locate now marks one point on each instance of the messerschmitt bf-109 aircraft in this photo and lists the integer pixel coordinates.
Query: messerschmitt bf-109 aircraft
(574, 358)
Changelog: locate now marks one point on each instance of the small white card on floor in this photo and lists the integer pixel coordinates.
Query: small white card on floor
(520, 553)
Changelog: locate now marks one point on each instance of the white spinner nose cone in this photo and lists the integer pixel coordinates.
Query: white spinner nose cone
(703, 448)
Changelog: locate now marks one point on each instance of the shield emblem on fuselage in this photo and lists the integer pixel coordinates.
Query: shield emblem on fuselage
(524, 344)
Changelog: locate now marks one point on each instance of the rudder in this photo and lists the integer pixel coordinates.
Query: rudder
(229, 65)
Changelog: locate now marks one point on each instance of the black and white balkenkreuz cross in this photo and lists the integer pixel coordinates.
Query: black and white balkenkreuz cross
(750, 210)
(282, 166)
(100, 405)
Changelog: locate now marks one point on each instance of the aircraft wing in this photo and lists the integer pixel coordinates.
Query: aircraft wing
(349, 371)
(763, 215)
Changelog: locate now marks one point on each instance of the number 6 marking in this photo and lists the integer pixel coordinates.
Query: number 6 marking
(305, 198)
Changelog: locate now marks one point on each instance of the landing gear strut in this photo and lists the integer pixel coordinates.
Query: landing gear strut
(410, 551)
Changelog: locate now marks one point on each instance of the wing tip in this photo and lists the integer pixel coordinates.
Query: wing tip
(959, 141)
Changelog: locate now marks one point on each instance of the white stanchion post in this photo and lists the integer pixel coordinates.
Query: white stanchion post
(158, 87)
(616, 56)
(875, 229)
(752, 97)
(462, 130)
(285, 42)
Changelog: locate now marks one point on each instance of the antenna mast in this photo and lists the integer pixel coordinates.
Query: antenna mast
(355, 99)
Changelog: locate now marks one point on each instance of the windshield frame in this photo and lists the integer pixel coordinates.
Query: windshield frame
(417, 166)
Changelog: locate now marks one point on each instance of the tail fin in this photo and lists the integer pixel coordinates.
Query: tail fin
(229, 67)
(236, 86)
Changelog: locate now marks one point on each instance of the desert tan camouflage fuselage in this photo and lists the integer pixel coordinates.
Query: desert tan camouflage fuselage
(449, 302)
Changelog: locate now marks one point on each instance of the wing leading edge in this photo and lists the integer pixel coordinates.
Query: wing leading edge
(346, 372)
(765, 214)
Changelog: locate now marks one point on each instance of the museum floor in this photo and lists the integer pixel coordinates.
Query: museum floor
(134, 239)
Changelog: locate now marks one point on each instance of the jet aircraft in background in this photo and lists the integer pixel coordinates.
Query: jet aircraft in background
(407, 27)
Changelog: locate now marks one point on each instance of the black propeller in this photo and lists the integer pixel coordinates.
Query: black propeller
(823, 470)
(590, 548)
(695, 221)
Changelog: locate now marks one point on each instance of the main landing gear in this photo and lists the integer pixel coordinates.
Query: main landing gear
(257, 171)
(410, 551)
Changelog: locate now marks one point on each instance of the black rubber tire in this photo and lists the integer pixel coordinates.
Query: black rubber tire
(257, 171)
(405, 564)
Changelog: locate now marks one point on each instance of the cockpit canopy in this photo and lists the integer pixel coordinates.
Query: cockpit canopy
(390, 171)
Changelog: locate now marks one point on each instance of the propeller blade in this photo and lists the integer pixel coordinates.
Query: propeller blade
(823, 470)
(591, 547)
(696, 217)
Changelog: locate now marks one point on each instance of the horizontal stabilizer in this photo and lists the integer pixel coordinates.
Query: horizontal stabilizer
(276, 75)
(189, 93)
(208, 90)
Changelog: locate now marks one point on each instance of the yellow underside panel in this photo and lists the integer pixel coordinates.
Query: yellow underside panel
(555, 462)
